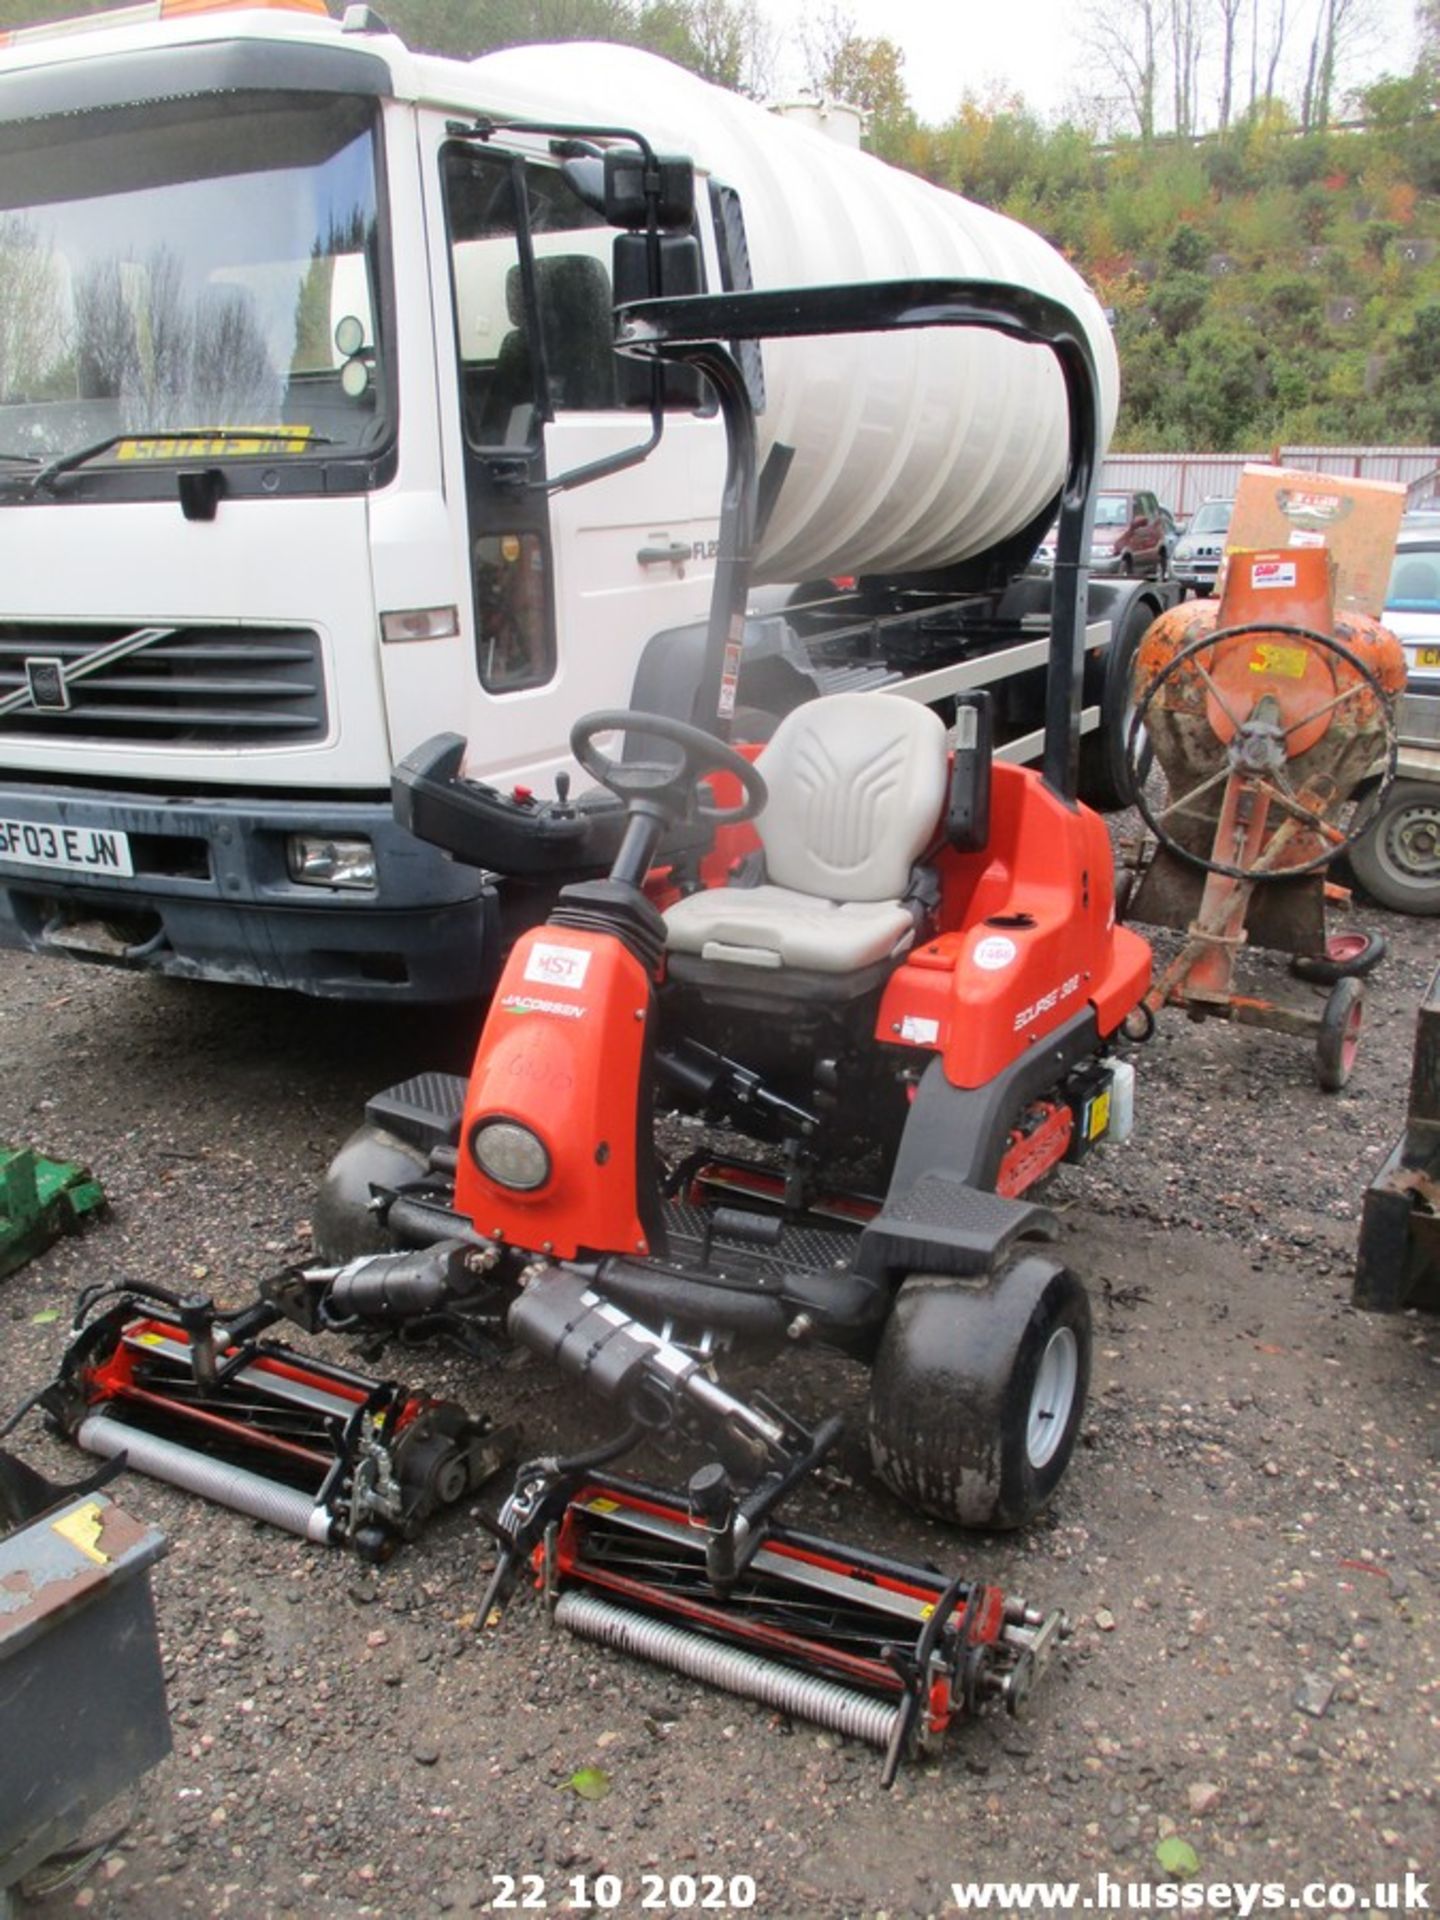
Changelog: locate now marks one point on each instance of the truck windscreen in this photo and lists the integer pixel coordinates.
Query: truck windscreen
(196, 266)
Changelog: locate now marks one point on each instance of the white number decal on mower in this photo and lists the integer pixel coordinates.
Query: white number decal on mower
(994, 952)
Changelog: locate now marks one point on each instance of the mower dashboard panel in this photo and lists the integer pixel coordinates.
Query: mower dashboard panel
(514, 835)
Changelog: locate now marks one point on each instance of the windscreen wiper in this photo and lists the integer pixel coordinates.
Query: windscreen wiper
(20, 459)
(44, 480)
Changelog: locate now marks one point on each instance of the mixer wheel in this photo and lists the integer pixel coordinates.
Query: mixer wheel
(1338, 1040)
(1353, 954)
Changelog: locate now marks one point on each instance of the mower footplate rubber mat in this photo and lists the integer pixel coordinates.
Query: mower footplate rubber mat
(424, 1111)
(944, 1226)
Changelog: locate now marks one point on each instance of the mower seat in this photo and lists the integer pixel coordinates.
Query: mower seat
(857, 782)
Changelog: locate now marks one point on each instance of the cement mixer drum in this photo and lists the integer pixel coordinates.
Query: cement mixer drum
(1313, 694)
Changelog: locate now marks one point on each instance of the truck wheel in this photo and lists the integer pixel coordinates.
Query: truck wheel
(1105, 779)
(1397, 858)
(978, 1390)
(344, 1226)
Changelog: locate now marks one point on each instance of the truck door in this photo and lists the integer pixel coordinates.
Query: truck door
(566, 586)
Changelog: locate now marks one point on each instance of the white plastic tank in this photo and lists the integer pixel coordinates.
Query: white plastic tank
(911, 450)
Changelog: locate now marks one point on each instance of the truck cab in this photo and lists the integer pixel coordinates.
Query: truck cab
(314, 443)
(289, 365)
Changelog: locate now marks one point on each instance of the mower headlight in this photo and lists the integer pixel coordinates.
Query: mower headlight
(510, 1154)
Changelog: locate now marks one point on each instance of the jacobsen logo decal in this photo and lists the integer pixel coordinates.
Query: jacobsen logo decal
(527, 1003)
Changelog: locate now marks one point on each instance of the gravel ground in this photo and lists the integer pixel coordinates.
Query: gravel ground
(1251, 1516)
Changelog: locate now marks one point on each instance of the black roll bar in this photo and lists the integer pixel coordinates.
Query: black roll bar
(698, 328)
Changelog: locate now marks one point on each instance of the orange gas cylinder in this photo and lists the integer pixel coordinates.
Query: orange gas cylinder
(1325, 684)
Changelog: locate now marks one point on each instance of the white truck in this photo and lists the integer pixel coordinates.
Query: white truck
(313, 443)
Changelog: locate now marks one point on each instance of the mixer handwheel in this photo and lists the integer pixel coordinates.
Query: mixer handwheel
(1269, 743)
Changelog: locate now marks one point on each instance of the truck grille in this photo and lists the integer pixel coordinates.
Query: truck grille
(179, 686)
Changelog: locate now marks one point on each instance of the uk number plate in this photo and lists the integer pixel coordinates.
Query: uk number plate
(1427, 656)
(39, 843)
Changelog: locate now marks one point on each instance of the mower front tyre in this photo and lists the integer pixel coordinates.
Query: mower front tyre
(978, 1390)
(345, 1225)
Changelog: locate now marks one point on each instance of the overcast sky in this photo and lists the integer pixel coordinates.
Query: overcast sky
(952, 45)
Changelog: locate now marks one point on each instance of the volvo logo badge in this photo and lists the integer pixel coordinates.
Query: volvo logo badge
(45, 678)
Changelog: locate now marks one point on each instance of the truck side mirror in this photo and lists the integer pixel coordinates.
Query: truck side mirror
(671, 184)
(680, 273)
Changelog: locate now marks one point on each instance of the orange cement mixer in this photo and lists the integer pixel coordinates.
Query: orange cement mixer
(1265, 711)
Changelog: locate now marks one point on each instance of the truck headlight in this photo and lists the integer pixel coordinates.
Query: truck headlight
(510, 1154)
(318, 860)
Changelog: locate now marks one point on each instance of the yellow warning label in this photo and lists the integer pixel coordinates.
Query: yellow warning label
(1098, 1118)
(82, 1529)
(149, 1339)
(602, 1506)
(1288, 662)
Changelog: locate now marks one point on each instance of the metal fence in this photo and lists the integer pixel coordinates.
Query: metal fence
(1183, 480)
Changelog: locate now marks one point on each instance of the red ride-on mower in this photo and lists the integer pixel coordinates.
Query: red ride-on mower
(789, 1073)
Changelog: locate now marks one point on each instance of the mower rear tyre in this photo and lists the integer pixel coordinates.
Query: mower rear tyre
(978, 1391)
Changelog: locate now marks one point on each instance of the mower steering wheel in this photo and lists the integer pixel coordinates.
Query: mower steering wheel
(1252, 733)
(664, 783)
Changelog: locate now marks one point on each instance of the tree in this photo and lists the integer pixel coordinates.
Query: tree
(843, 65)
(1120, 52)
(1184, 26)
(727, 42)
(1229, 11)
(1274, 46)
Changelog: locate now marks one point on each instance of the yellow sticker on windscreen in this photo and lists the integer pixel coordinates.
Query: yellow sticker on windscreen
(230, 441)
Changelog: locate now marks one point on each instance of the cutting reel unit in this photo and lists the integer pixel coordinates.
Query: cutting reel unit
(868, 1647)
(196, 1398)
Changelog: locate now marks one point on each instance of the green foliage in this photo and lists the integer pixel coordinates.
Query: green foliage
(1251, 355)
(1178, 301)
(1187, 249)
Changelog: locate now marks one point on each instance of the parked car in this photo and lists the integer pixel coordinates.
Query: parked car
(1132, 535)
(1201, 547)
(1397, 858)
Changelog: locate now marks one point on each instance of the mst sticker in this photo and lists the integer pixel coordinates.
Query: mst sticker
(557, 966)
(1273, 573)
(994, 952)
